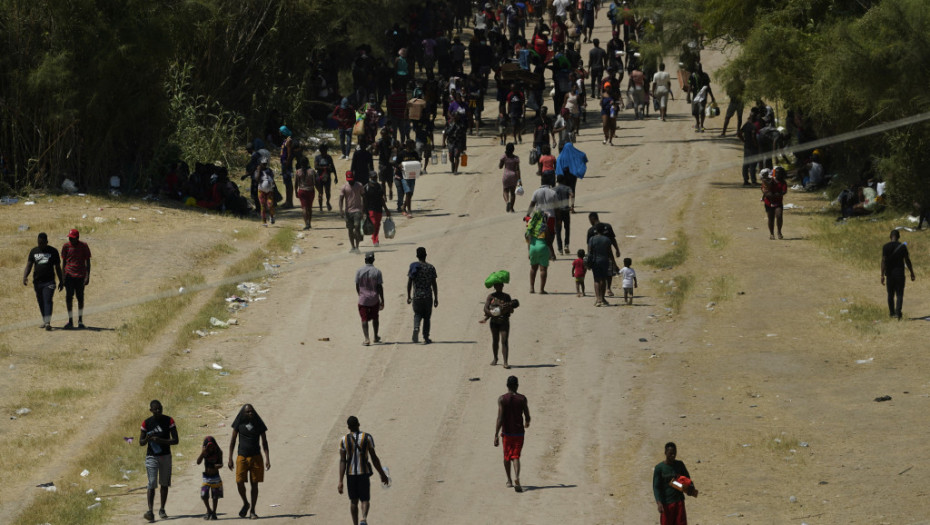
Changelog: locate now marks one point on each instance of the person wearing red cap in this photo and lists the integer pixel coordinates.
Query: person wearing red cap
(351, 196)
(75, 257)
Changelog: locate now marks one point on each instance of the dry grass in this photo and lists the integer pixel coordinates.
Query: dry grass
(675, 291)
(859, 241)
(676, 256)
(866, 317)
(150, 317)
(717, 240)
(722, 288)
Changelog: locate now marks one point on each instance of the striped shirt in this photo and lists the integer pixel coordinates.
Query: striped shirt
(354, 447)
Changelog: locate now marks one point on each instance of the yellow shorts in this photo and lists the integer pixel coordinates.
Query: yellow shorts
(252, 465)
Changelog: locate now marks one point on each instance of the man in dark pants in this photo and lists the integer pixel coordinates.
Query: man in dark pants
(47, 263)
(894, 259)
(157, 435)
(597, 63)
(595, 220)
(75, 257)
(354, 451)
(747, 133)
(422, 280)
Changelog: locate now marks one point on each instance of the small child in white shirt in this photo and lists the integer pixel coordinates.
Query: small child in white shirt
(629, 280)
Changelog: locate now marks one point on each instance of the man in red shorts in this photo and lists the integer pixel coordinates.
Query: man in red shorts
(511, 410)
(670, 500)
(370, 295)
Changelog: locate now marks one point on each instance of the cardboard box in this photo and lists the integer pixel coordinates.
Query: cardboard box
(415, 108)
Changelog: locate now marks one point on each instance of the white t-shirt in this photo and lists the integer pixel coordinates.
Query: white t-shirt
(661, 80)
(561, 6)
(628, 275)
(545, 199)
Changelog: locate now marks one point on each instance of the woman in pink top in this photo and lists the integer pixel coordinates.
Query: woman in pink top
(511, 178)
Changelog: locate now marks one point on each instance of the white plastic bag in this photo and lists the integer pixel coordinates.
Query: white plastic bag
(389, 228)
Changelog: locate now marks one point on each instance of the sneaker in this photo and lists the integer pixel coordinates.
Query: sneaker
(149, 515)
(81, 326)
(69, 326)
(416, 336)
(48, 327)
(162, 514)
(427, 340)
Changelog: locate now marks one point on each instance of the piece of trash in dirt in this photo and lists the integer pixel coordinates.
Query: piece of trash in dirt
(201, 333)
(474, 379)
(268, 267)
(661, 239)
(217, 366)
(791, 206)
(85, 473)
(323, 339)
(94, 506)
(905, 228)
(128, 440)
(642, 339)
(710, 305)
(630, 236)
(187, 350)
(883, 398)
(653, 356)
(45, 485)
(132, 219)
(204, 393)
(7, 200)
(771, 335)
(297, 250)
(91, 491)
(23, 227)
(100, 220)
(29, 203)
(232, 321)
(23, 411)
(181, 290)
(275, 505)
(804, 444)
(224, 373)
(236, 299)
(864, 361)
(793, 499)
(216, 322)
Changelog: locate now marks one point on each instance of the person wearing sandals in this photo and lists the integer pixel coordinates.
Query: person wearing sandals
(511, 179)
(602, 261)
(513, 418)
(368, 285)
(211, 455)
(355, 450)
(249, 427)
(498, 308)
(157, 435)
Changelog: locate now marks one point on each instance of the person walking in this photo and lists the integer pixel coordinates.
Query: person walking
(288, 151)
(595, 220)
(661, 90)
(344, 115)
(513, 418)
(511, 178)
(421, 279)
(602, 262)
(266, 191)
(773, 196)
(355, 450)
(670, 500)
(325, 175)
(250, 429)
(47, 264)
(368, 285)
(211, 455)
(747, 134)
(304, 186)
(375, 204)
(75, 258)
(350, 208)
(894, 259)
(498, 308)
(564, 207)
(157, 435)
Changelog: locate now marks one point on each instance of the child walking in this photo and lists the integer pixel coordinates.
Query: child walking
(628, 275)
(578, 272)
(212, 458)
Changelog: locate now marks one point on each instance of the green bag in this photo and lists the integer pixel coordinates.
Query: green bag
(498, 277)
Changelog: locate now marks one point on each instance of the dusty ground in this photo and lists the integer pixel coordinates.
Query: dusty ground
(760, 390)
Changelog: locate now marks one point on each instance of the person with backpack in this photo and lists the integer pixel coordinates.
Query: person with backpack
(266, 191)
(543, 130)
(325, 176)
(356, 457)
